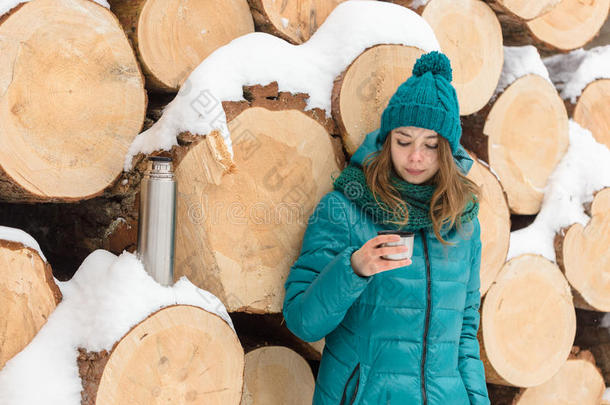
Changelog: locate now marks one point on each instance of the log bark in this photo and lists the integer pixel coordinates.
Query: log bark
(238, 239)
(593, 334)
(256, 330)
(528, 323)
(583, 255)
(522, 10)
(415, 5)
(172, 37)
(363, 90)
(522, 135)
(28, 295)
(294, 22)
(71, 101)
(470, 35)
(276, 375)
(179, 354)
(494, 217)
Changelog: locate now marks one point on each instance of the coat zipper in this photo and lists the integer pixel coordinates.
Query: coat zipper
(347, 383)
(428, 282)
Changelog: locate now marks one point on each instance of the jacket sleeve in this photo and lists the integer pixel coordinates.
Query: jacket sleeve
(469, 361)
(322, 285)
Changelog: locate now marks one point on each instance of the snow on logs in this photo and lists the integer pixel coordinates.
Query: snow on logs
(28, 295)
(72, 99)
(172, 37)
(528, 323)
(583, 78)
(179, 354)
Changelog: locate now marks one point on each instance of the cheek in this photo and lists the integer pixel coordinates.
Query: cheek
(433, 161)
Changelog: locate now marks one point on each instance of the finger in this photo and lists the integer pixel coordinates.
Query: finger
(390, 250)
(381, 239)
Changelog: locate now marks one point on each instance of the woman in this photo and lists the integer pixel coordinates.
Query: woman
(397, 332)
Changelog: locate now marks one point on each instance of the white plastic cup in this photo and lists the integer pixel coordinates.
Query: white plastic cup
(406, 238)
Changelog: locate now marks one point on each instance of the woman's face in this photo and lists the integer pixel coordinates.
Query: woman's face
(414, 153)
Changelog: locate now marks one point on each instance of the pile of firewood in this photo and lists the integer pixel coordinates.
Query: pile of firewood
(72, 101)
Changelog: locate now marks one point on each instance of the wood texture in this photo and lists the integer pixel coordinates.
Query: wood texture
(469, 33)
(276, 375)
(363, 90)
(172, 37)
(28, 295)
(72, 99)
(528, 323)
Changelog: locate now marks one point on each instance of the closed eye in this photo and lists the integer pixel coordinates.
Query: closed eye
(409, 143)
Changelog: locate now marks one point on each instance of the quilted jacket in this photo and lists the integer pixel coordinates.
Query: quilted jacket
(403, 336)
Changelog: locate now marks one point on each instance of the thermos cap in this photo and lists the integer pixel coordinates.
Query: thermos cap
(392, 232)
(160, 166)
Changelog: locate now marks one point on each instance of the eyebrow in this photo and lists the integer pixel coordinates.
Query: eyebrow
(409, 135)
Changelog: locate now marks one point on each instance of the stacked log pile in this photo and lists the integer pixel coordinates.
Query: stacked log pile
(73, 100)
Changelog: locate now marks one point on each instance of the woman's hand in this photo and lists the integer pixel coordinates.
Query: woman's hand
(367, 260)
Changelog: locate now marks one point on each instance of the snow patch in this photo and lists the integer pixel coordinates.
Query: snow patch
(17, 235)
(311, 67)
(572, 72)
(520, 61)
(583, 170)
(107, 296)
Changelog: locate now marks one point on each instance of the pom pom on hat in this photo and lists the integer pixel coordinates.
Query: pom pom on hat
(435, 63)
(425, 101)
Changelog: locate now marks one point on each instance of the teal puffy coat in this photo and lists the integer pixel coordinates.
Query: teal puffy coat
(403, 336)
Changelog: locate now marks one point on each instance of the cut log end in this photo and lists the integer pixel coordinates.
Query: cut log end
(28, 295)
(578, 381)
(586, 257)
(71, 101)
(295, 22)
(592, 111)
(179, 354)
(528, 135)
(281, 176)
(528, 323)
(471, 36)
(494, 217)
(570, 24)
(277, 375)
(362, 91)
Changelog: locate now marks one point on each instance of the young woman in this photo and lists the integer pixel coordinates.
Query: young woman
(397, 332)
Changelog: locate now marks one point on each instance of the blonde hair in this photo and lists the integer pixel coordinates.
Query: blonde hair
(453, 192)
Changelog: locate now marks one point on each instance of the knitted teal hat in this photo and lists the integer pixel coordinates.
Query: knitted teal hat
(425, 100)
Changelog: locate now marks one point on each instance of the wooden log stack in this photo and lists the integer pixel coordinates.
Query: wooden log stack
(72, 100)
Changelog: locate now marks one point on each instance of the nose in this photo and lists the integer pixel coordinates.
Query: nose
(416, 155)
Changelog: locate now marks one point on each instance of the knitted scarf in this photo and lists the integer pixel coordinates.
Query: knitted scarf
(352, 183)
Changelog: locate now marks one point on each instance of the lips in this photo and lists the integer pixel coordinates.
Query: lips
(415, 172)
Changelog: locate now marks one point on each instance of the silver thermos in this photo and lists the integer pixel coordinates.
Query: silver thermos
(157, 220)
